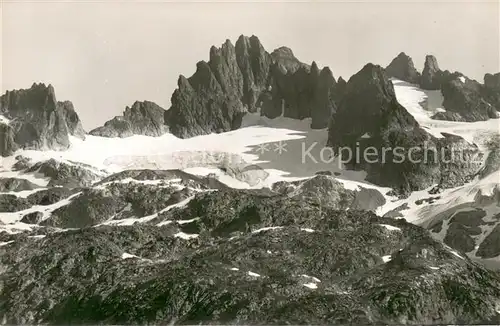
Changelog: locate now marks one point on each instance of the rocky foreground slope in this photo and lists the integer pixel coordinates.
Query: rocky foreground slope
(238, 257)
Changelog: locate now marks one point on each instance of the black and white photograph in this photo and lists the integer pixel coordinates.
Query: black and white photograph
(249, 162)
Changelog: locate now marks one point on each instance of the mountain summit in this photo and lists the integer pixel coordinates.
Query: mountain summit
(402, 68)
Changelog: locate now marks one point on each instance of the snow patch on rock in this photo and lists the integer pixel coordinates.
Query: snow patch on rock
(127, 256)
(185, 236)
(311, 285)
(267, 229)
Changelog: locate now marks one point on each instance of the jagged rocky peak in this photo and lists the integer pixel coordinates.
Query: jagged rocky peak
(402, 67)
(286, 60)
(252, 58)
(7, 143)
(369, 115)
(16, 103)
(245, 78)
(431, 75)
(142, 118)
(36, 120)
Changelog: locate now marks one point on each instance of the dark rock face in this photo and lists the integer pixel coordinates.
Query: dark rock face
(462, 227)
(368, 199)
(143, 118)
(32, 218)
(213, 99)
(22, 163)
(463, 100)
(317, 266)
(7, 143)
(66, 174)
(301, 93)
(326, 191)
(490, 247)
(12, 203)
(402, 68)
(431, 75)
(340, 89)
(14, 184)
(404, 156)
(188, 180)
(397, 212)
(370, 105)
(38, 121)
(243, 78)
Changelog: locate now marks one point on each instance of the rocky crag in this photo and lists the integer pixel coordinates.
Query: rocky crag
(142, 118)
(34, 119)
(369, 115)
(464, 99)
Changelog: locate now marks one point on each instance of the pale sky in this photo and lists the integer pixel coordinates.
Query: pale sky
(104, 55)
